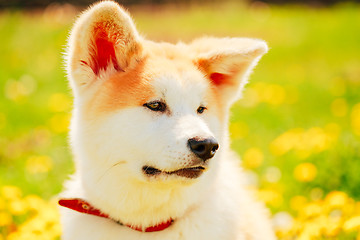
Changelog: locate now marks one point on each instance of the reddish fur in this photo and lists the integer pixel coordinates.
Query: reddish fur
(216, 78)
(103, 51)
(123, 89)
(219, 78)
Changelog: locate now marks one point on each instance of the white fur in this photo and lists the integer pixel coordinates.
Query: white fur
(111, 149)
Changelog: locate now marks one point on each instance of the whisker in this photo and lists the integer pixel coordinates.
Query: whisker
(116, 164)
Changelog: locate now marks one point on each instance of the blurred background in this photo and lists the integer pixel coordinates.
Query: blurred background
(297, 127)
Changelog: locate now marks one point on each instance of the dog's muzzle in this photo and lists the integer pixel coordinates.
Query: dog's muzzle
(203, 149)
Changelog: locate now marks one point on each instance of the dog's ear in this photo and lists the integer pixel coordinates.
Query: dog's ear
(227, 62)
(103, 40)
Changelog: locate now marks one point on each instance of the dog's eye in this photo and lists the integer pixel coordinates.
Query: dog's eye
(201, 109)
(156, 106)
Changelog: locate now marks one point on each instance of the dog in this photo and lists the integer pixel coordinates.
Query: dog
(149, 133)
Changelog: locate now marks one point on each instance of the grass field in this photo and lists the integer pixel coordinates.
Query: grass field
(297, 127)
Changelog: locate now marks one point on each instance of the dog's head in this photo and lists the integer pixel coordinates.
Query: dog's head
(150, 112)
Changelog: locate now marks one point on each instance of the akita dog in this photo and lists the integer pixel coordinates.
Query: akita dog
(150, 136)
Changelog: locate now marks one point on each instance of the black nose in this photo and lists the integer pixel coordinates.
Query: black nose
(203, 148)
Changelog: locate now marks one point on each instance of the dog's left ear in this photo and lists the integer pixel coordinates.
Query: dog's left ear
(227, 62)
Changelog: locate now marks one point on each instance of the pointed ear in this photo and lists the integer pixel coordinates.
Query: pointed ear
(103, 40)
(228, 62)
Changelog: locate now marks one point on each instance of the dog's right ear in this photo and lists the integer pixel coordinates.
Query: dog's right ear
(227, 63)
(104, 40)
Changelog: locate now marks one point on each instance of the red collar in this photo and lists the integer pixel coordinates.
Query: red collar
(83, 206)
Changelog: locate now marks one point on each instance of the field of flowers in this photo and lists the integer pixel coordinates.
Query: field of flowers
(297, 127)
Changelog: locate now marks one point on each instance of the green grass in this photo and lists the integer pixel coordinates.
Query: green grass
(313, 58)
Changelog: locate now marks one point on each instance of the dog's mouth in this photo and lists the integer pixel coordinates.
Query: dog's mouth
(192, 172)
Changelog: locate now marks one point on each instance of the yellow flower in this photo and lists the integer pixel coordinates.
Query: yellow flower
(5, 219)
(286, 141)
(352, 223)
(332, 130)
(59, 123)
(2, 203)
(298, 202)
(274, 94)
(38, 164)
(355, 119)
(332, 227)
(239, 130)
(43, 223)
(39, 218)
(313, 140)
(253, 158)
(305, 172)
(270, 196)
(34, 202)
(11, 192)
(336, 199)
(312, 230)
(59, 102)
(18, 207)
(312, 209)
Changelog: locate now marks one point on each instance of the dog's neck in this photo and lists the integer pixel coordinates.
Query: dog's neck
(143, 204)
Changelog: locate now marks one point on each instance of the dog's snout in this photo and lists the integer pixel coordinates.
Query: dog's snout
(203, 148)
